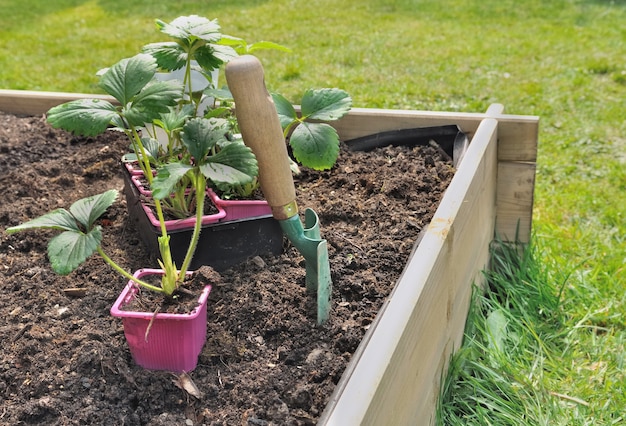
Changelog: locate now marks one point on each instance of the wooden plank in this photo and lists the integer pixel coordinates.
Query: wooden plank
(518, 133)
(25, 102)
(518, 138)
(394, 379)
(514, 198)
(366, 121)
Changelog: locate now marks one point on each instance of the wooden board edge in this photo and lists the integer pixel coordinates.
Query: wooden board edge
(518, 133)
(368, 394)
(26, 102)
(515, 198)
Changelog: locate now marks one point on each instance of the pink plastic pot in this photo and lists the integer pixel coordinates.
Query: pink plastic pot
(241, 209)
(174, 341)
(227, 209)
(133, 168)
(176, 224)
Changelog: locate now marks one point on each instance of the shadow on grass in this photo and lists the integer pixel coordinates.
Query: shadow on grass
(27, 13)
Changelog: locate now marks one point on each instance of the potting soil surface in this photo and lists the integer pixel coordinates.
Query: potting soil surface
(64, 357)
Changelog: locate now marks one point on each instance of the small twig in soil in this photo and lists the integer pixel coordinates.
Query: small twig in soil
(151, 322)
(21, 332)
(186, 291)
(75, 292)
(348, 240)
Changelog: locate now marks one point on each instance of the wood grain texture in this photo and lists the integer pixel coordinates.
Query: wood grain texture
(395, 378)
(261, 131)
(25, 102)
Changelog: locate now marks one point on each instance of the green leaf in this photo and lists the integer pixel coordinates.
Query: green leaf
(155, 99)
(88, 117)
(56, 219)
(286, 112)
(234, 164)
(497, 329)
(88, 209)
(239, 44)
(174, 119)
(127, 77)
(166, 179)
(202, 134)
(191, 28)
(325, 104)
(242, 47)
(315, 145)
(210, 57)
(169, 55)
(222, 94)
(152, 147)
(69, 249)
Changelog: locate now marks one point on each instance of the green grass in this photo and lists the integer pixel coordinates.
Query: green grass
(522, 361)
(564, 60)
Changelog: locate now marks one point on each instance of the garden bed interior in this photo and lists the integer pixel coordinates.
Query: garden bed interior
(392, 361)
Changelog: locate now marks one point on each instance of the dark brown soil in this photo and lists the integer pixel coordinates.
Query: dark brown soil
(64, 358)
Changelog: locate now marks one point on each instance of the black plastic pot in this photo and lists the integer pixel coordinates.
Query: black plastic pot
(450, 139)
(221, 244)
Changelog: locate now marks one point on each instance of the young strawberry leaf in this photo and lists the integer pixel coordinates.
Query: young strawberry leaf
(169, 55)
(174, 119)
(128, 81)
(88, 117)
(88, 209)
(166, 179)
(325, 104)
(72, 247)
(126, 78)
(286, 112)
(202, 134)
(153, 100)
(69, 249)
(195, 36)
(234, 164)
(59, 219)
(190, 28)
(315, 145)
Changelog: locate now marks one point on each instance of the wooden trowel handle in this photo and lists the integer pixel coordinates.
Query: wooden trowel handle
(261, 131)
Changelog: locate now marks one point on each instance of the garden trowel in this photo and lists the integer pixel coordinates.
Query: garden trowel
(262, 132)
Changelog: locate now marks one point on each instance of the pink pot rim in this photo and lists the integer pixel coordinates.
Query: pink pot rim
(227, 210)
(131, 288)
(189, 222)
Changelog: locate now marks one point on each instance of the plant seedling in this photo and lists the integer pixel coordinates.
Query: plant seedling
(314, 143)
(81, 236)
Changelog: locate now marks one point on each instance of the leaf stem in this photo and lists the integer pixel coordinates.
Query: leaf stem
(200, 190)
(126, 274)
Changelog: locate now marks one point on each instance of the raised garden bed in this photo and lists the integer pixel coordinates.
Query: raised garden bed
(393, 376)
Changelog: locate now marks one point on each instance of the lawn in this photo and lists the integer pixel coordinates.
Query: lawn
(564, 60)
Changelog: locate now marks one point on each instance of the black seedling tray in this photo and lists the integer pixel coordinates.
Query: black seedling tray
(221, 245)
